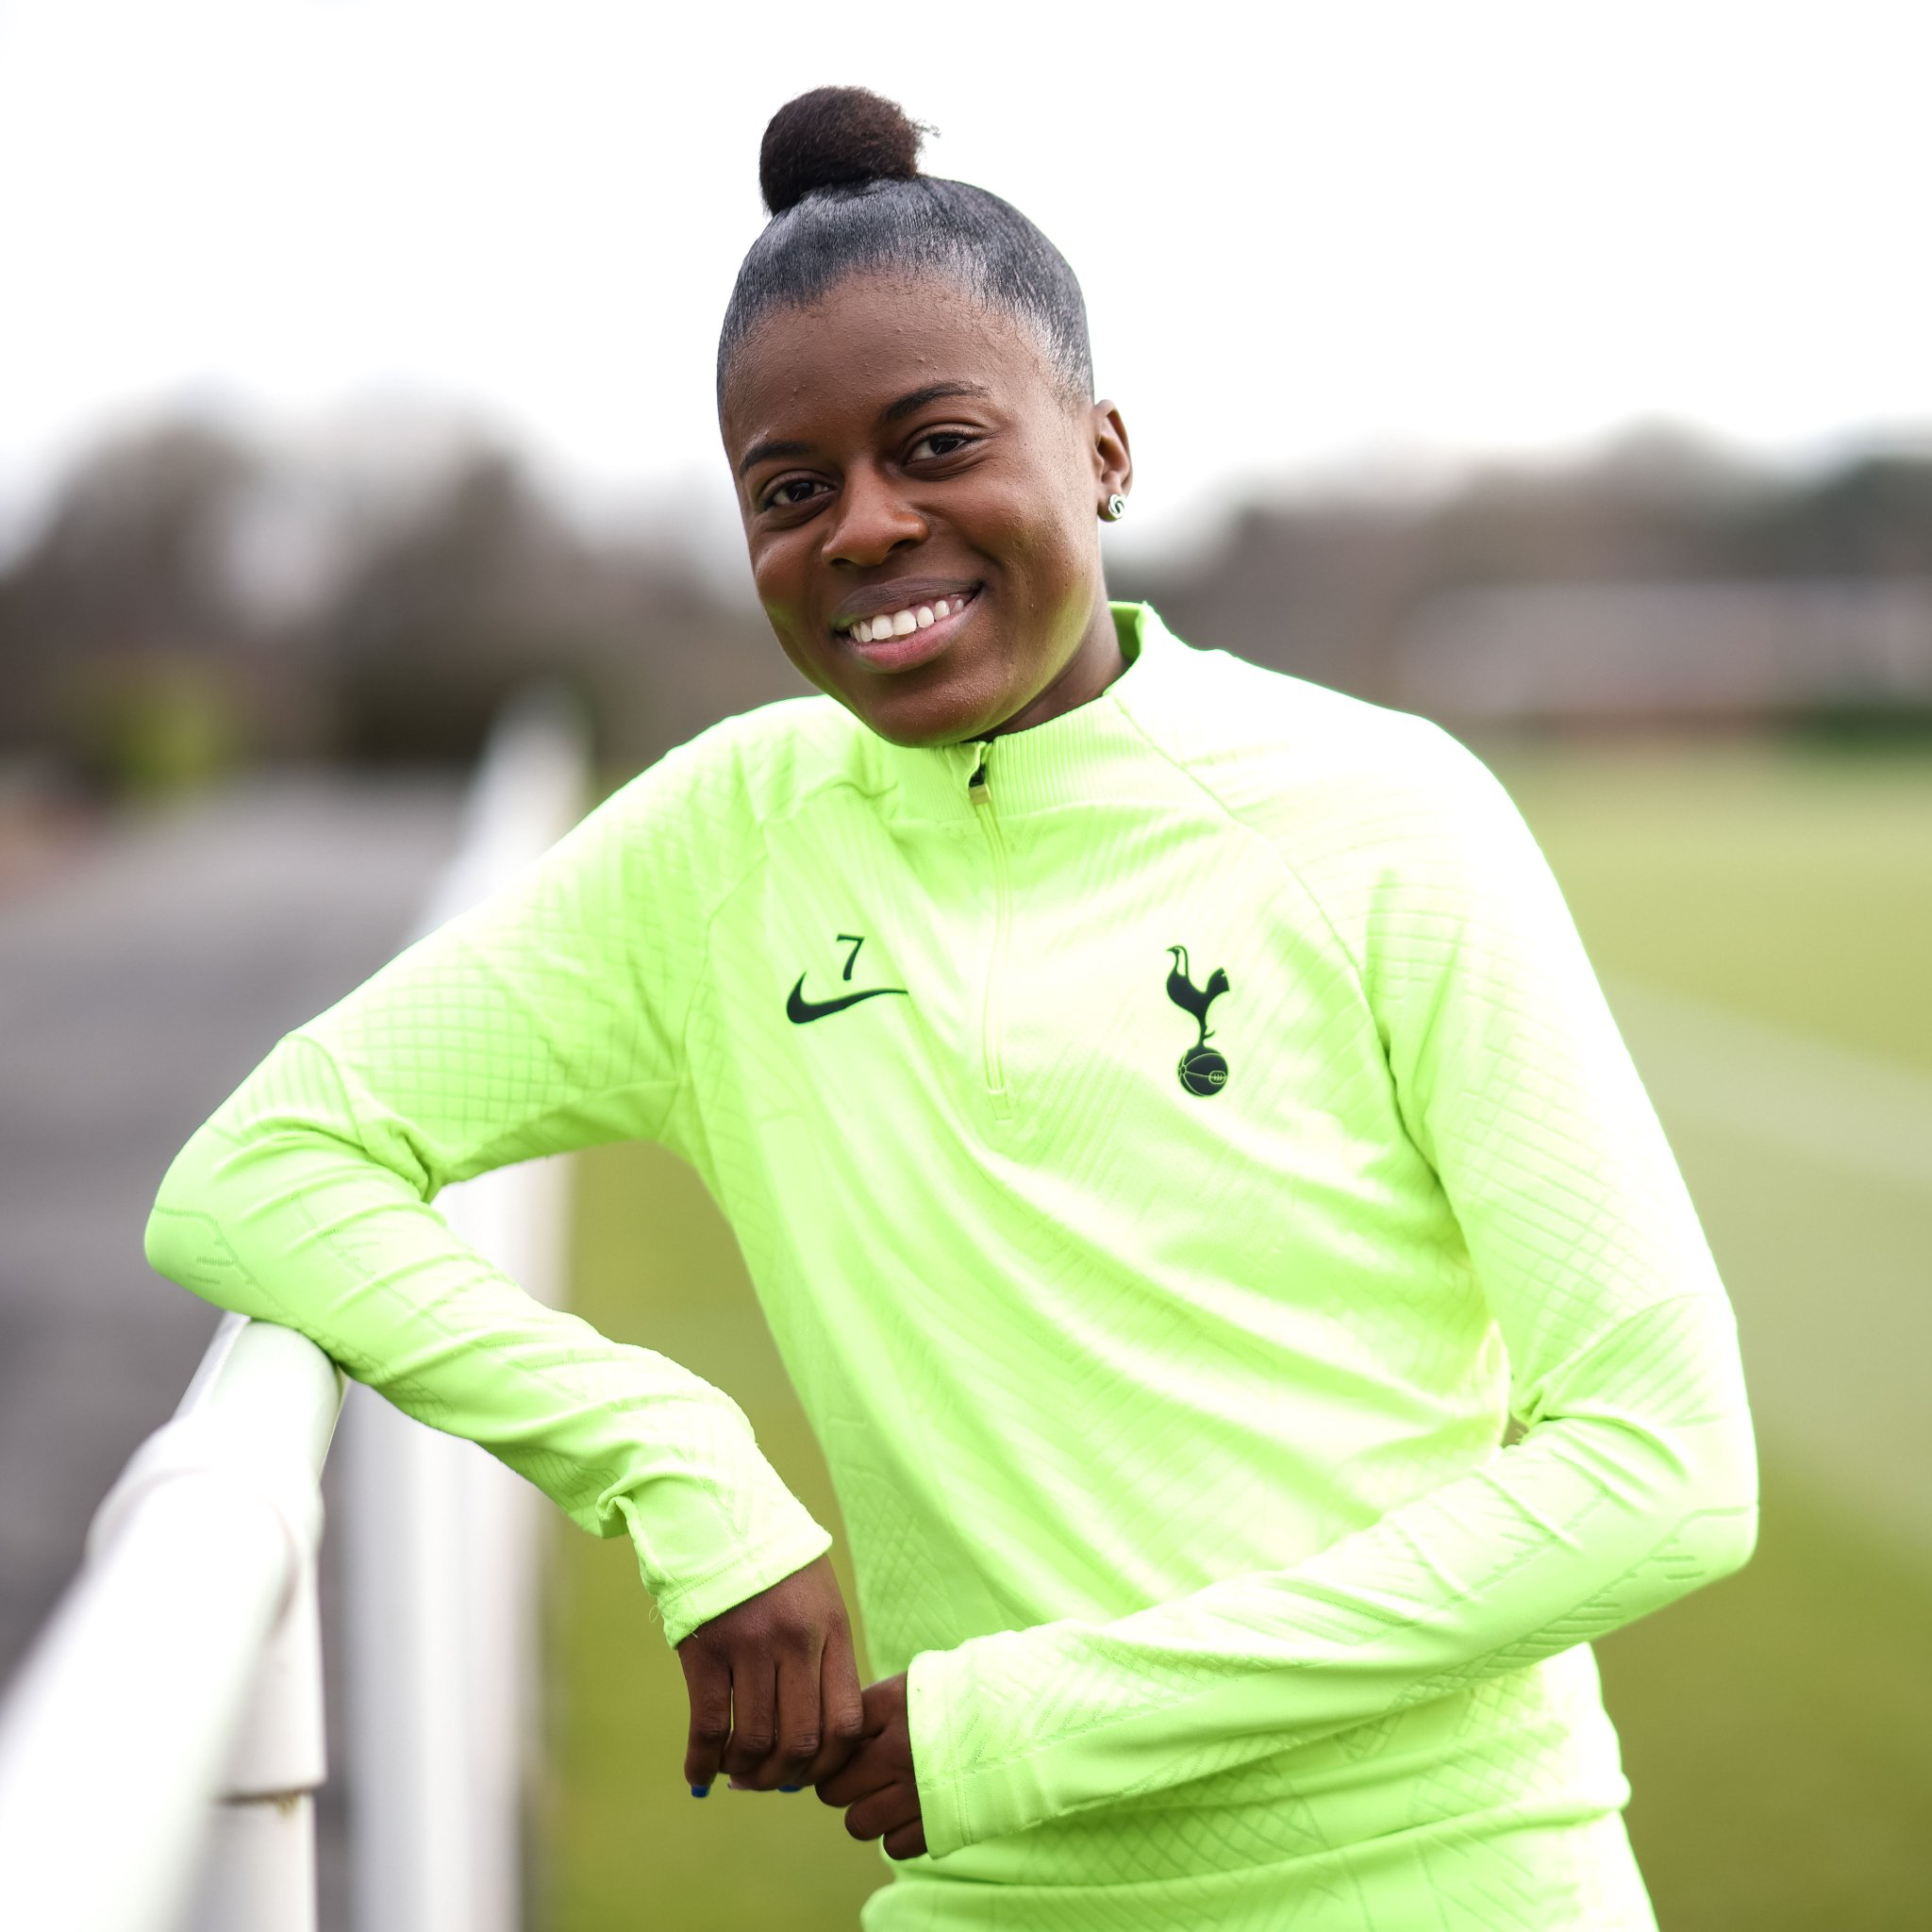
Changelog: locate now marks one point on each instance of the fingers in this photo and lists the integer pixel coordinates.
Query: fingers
(795, 1725)
(820, 1717)
(775, 1691)
(708, 1685)
(890, 1813)
(842, 1708)
(754, 1716)
(908, 1842)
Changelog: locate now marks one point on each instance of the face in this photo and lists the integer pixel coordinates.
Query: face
(897, 444)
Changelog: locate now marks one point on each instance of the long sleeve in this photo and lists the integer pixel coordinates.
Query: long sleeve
(546, 1018)
(1635, 1481)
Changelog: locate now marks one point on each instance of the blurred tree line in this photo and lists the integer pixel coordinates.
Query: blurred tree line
(1341, 591)
(192, 603)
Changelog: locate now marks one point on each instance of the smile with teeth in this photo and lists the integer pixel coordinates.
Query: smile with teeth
(899, 623)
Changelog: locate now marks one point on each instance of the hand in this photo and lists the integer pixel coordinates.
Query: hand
(775, 1696)
(877, 1781)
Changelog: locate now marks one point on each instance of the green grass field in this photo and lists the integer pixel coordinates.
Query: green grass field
(1773, 1725)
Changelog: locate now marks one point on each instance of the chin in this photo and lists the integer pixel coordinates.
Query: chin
(909, 737)
(942, 713)
(913, 724)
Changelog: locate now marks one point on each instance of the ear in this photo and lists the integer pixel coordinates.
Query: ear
(1113, 463)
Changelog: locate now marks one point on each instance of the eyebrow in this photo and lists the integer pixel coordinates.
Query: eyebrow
(761, 452)
(903, 405)
(918, 398)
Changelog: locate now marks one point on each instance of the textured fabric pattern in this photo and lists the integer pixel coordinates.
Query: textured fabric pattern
(1165, 1166)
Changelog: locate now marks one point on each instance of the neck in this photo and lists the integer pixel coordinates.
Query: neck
(1093, 667)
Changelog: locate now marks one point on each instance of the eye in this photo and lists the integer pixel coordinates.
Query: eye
(953, 436)
(776, 498)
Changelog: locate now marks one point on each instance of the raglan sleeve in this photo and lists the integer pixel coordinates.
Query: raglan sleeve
(1635, 1481)
(547, 1016)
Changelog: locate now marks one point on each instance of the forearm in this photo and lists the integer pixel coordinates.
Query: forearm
(1639, 1486)
(297, 1224)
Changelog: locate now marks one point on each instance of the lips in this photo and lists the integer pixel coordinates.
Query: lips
(916, 648)
(867, 610)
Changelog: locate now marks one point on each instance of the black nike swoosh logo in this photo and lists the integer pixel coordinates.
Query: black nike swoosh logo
(798, 1009)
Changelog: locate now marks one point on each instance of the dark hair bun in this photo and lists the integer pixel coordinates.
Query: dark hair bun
(834, 135)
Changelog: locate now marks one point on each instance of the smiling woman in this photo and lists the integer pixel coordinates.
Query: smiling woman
(905, 390)
(1167, 1386)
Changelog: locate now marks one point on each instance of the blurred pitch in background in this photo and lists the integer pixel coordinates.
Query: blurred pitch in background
(1560, 377)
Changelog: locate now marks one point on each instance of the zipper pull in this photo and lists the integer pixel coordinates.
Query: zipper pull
(977, 781)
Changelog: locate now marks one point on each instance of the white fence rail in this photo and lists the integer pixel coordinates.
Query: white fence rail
(162, 1740)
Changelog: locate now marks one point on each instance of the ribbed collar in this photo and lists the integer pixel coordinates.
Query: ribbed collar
(1088, 752)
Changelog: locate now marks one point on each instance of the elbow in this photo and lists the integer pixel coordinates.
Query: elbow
(1688, 1488)
(1745, 1541)
(1718, 1528)
(1736, 1542)
(1713, 1543)
(154, 1240)
(182, 1240)
(160, 1239)
(168, 1240)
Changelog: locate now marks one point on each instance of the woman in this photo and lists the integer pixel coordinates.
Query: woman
(1171, 1123)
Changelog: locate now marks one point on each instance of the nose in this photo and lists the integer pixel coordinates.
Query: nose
(871, 519)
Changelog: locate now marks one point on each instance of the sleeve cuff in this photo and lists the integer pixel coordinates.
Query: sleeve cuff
(957, 1812)
(797, 1543)
(929, 1690)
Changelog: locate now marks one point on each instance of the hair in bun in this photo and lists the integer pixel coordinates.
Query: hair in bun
(835, 137)
(839, 168)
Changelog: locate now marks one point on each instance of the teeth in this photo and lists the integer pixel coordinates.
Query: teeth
(899, 623)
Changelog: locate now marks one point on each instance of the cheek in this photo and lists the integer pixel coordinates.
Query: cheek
(776, 575)
(778, 579)
(1047, 544)
(1030, 509)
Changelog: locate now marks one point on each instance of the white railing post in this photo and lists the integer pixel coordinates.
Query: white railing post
(258, 1862)
(439, 1565)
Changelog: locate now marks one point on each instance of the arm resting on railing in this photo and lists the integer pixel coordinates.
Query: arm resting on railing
(547, 1018)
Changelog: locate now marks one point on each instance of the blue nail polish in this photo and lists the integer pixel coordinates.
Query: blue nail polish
(792, 1787)
(701, 1790)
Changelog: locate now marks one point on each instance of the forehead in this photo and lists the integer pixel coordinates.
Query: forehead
(871, 338)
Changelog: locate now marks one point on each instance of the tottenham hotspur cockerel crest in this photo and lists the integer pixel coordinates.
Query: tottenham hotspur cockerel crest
(1201, 1070)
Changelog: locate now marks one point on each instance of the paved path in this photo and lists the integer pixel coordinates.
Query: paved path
(139, 982)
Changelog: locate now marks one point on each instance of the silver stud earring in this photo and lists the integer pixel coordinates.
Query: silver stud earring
(1116, 507)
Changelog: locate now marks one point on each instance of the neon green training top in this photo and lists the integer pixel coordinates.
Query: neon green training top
(1168, 1143)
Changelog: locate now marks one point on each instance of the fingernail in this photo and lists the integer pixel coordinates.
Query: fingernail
(701, 1790)
(792, 1787)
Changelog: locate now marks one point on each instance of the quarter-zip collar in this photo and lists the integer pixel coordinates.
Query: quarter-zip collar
(1086, 753)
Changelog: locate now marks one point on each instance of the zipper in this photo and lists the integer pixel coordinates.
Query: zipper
(977, 791)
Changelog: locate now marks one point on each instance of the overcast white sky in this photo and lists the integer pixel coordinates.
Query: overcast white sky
(1312, 237)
